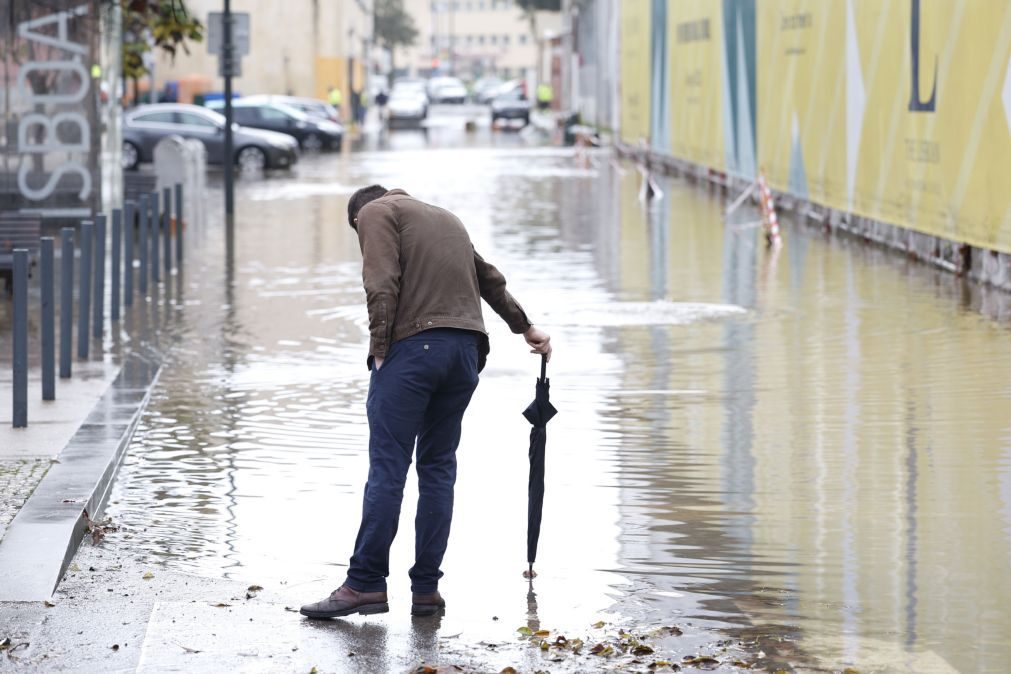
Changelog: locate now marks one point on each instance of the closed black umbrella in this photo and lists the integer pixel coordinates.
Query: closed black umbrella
(538, 413)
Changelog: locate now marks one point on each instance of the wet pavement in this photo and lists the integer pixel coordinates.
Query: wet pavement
(799, 460)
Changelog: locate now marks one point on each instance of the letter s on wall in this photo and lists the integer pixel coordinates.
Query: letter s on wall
(50, 186)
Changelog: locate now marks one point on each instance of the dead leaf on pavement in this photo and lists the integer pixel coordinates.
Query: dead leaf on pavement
(48, 604)
(221, 604)
(542, 633)
(148, 576)
(508, 670)
(597, 625)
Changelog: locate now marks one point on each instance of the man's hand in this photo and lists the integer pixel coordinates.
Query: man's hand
(539, 341)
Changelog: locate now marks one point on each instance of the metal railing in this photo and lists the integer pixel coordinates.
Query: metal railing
(144, 232)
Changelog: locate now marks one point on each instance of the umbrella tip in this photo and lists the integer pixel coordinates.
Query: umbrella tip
(530, 574)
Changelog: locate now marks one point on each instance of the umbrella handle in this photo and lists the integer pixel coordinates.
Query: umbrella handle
(544, 367)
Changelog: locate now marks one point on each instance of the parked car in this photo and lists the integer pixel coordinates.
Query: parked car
(312, 134)
(311, 106)
(510, 104)
(144, 126)
(446, 90)
(485, 89)
(411, 84)
(406, 105)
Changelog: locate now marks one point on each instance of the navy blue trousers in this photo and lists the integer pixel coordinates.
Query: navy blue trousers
(418, 396)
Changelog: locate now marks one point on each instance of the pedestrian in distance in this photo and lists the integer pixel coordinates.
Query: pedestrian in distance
(424, 283)
(545, 96)
(334, 97)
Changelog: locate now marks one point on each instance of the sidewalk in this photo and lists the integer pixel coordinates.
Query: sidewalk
(27, 453)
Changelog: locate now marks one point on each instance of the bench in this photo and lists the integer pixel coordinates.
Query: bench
(17, 230)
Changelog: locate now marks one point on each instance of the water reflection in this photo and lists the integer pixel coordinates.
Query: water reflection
(812, 450)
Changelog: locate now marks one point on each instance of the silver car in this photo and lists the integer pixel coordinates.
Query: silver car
(144, 126)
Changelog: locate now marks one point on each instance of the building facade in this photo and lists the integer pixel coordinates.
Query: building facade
(297, 48)
(472, 38)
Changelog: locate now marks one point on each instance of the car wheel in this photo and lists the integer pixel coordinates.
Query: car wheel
(131, 156)
(251, 159)
(312, 143)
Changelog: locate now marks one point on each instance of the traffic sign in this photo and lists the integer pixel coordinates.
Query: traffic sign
(216, 33)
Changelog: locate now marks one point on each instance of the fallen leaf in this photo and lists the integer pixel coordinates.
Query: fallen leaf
(148, 576)
(597, 625)
(425, 669)
(48, 604)
(74, 567)
(544, 645)
(254, 588)
(525, 631)
(221, 604)
(542, 633)
(5, 643)
(313, 671)
(508, 670)
(642, 649)
(674, 630)
(742, 664)
(850, 670)
(656, 664)
(291, 608)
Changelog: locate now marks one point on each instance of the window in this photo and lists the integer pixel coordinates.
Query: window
(193, 119)
(494, 39)
(480, 39)
(505, 40)
(157, 118)
(244, 115)
(273, 114)
(523, 38)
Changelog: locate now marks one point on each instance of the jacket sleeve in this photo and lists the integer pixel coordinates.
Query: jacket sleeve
(493, 291)
(380, 242)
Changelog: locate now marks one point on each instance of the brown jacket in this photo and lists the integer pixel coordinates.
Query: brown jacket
(421, 271)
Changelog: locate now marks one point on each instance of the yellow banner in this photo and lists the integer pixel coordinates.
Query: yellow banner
(695, 57)
(635, 70)
(842, 121)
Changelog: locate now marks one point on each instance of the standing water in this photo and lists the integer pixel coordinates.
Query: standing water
(808, 452)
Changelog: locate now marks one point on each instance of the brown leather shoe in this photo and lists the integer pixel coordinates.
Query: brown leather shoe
(427, 604)
(345, 601)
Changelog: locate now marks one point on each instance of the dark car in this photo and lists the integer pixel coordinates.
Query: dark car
(144, 126)
(311, 133)
(510, 104)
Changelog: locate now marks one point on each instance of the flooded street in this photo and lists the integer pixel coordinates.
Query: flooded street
(807, 453)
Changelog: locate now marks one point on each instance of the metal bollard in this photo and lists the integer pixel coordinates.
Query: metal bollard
(179, 224)
(84, 290)
(98, 305)
(117, 267)
(154, 221)
(66, 301)
(145, 213)
(167, 221)
(48, 319)
(128, 228)
(20, 338)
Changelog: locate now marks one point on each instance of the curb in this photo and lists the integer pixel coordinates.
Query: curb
(44, 536)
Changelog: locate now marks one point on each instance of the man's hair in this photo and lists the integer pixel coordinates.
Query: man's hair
(359, 199)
